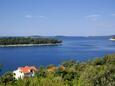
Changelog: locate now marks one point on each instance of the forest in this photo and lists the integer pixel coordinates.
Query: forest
(27, 40)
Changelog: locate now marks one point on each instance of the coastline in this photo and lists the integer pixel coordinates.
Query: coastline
(112, 39)
(28, 45)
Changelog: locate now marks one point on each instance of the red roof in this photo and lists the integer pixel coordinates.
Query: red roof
(27, 69)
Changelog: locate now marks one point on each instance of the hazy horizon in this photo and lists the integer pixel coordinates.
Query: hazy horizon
(53, 35)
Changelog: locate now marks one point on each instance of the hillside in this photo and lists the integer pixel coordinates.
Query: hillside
(97, 72)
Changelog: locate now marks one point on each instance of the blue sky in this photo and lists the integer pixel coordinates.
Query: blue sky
(57, 17)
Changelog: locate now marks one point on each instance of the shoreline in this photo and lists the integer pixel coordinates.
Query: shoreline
(28, 45)
(112, 39)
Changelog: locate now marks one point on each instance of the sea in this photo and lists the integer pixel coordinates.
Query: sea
(73, 48)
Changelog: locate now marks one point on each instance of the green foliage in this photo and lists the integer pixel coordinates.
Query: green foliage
(7, 78)
(41, 72)
(98, 76)
(69, 63)
(109, 59)
(27, 40)
(98, 61)
(97, 72)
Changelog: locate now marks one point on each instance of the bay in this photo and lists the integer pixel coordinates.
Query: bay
(73, 48)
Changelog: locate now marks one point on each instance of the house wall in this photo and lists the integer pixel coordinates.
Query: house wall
(18, 74)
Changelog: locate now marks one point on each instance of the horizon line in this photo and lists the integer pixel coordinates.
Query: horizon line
(52, 35)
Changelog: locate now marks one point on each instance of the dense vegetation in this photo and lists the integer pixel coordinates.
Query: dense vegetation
(27, 40)
(97, 72)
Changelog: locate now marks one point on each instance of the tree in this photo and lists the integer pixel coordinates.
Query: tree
(7, 78)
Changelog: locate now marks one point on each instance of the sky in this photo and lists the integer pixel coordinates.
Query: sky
(57, 17)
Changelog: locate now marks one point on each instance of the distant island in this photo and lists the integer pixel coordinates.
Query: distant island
(27, 41)
(112, 38)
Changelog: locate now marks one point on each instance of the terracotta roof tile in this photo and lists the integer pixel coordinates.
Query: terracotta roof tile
(27, 69)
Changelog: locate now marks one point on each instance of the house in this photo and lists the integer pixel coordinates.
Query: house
(22, 72)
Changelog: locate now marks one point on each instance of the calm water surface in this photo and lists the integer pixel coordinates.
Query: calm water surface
(75, 48)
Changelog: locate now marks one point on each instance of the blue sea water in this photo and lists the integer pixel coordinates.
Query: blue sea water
(73, 48)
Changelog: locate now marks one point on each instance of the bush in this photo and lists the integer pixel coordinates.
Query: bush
(7, 78)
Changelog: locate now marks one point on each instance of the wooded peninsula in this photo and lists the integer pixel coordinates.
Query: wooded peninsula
(10, 41)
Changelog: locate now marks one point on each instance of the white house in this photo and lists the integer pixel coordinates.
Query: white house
(18, 74)
(22, 72)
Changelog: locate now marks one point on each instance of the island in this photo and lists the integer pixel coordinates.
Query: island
(112, 38)
(27, 41)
